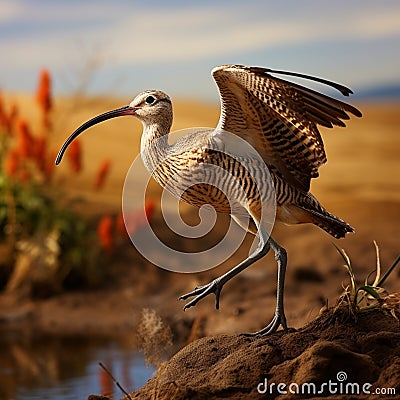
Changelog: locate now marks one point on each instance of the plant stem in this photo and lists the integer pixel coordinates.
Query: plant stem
(389, 271)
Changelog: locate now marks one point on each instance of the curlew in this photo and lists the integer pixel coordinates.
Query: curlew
(280, 120)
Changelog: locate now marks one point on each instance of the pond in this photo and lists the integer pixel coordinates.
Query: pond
(56, 368)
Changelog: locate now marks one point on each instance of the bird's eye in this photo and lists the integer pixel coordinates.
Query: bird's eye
(150, 100)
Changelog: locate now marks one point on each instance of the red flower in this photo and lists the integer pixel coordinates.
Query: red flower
(12, 117)
(137, 219)
(25, 139)
(75, 155)
(105, 232)
(49, 166)
(7, 120)
(131, 223)
(12, 163)
(3, 115)
(39, 152)
(43, 92)
(104, 169)
(24, 175)
(149, 209)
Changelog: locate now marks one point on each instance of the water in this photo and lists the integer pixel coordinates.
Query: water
(67, 367)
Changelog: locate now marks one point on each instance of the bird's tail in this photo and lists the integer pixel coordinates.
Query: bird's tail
(324, 219)
(331, 224)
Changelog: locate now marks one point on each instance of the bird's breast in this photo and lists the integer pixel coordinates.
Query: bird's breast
(213, 178)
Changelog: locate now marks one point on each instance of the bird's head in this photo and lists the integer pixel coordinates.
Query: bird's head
(150, 107)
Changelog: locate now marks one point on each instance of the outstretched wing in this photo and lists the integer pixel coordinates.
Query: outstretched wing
(280, 118)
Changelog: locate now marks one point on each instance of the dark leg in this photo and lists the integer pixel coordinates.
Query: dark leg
(279, 317)
(217, 284)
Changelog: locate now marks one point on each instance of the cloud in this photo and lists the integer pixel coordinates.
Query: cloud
(10, 10)
(61, 34)
(200, 32)
(383, 23)
(143, 34)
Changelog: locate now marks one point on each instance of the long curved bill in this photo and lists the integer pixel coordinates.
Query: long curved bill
(127, 110)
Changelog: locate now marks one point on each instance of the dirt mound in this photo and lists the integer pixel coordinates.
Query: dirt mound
(338, 355)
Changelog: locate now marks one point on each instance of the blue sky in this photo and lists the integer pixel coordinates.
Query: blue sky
(130, 46)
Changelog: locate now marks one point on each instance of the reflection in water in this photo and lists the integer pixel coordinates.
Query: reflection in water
(67, 367)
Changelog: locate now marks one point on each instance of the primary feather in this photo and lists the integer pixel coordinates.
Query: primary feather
(280, 118)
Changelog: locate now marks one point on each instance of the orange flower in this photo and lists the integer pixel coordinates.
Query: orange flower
(49, 166)
(25, 139)
(12, 163)
(104, 169)
(149, 209)
(3, 115)
(105, 232)
(75, 155)
(43, 92)
(39, 152)
(131, 222)
(143, 218)
(137, 219)
(7, 120)
(12, 117)
(24, 175)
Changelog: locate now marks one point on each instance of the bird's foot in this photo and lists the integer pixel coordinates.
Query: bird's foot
(202, 291)
(278, 320)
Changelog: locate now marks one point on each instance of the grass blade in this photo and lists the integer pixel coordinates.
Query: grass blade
(349, 268)
(378, 266)
(389, 271)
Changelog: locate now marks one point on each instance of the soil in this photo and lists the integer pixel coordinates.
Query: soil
(336, 356)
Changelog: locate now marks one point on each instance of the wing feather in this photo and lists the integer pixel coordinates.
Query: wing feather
(280, 118)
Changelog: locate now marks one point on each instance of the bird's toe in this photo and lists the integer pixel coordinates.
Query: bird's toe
(202, 291)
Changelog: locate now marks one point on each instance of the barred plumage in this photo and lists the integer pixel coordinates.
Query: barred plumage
(280, 120)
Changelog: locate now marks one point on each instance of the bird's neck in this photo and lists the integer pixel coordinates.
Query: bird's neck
(154, 144)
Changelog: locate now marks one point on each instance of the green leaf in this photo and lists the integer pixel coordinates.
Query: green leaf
(370, 290)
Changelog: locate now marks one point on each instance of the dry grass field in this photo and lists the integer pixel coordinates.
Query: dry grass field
(360, 183)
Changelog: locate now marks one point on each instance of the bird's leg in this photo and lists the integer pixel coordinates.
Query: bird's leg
(279, 317)
(216, 285)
